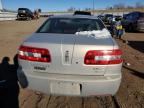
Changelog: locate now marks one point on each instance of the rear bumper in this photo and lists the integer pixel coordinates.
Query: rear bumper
(140, 27)
(88, 85)
(24, 17)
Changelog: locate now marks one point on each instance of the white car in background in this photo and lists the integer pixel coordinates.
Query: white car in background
(72, 55)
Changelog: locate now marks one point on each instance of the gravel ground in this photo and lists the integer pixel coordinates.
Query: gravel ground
(130, 94)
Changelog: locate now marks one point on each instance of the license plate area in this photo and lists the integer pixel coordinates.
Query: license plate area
(64, 88)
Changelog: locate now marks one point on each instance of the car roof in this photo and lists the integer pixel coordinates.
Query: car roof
(75, 16)
(23, 9)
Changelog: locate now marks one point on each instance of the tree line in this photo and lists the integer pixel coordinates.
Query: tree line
(115, 6)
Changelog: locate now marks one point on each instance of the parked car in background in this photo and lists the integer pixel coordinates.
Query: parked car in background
(124, 16)
(101, 17)
(106, 17)
(134, 21)
(113, 19)
(71, 55)
(25, 14)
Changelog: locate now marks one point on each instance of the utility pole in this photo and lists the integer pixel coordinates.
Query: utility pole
(1, 8)
(93, 7)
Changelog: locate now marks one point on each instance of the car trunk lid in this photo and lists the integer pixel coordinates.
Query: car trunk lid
(68, 52)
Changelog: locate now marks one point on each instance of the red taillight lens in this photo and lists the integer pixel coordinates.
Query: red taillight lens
(103, 57)
(34, 54)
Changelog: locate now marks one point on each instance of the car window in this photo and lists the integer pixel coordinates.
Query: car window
(24, 9)
(70, 26)
(129, 17)
(141, 15)
(135, 16)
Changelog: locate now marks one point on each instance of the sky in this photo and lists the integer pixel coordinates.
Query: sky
(62, 5)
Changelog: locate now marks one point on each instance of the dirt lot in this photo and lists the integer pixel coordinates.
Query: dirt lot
(130, 94)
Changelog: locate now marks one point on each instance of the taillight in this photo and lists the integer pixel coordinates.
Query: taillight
(34, 54)
(103, 57)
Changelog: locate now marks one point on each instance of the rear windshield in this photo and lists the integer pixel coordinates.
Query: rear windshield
(70, 26)
(109, 15)
(22, 9)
